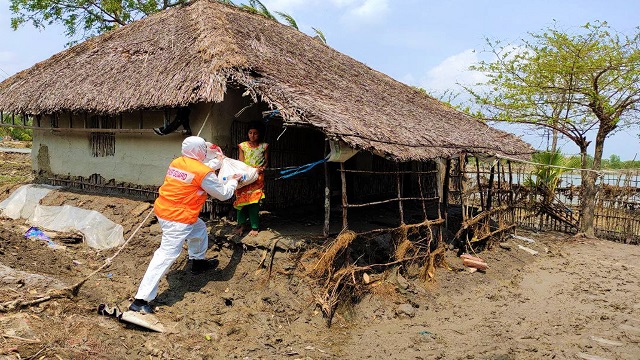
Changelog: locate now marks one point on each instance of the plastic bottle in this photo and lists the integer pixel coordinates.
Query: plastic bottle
(244, 177)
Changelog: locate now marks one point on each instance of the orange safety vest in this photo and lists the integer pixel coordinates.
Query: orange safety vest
(181, 197)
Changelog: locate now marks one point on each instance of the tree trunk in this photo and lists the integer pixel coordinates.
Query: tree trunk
(588, 203)
(589, 190)
(554, 140)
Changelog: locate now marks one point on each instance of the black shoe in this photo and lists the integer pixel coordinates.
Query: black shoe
(201, 265)
(158, 131)
(141, 306)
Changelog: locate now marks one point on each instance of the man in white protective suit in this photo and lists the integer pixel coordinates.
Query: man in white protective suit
(180, 199)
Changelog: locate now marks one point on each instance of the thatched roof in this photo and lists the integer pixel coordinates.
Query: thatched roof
(190, 54)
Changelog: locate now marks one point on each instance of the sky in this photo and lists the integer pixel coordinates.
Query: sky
(424, 43)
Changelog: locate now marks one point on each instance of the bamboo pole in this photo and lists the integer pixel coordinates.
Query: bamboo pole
(344, 196)
(392, 172)
(479, 184)
(500, 175)
(463, 201)
(480, 217)
(445, 193)
(398, 187)
(490, 188)
(406, 226)
(391, 200)
(86, 130)
(424, 205)
(511, 194)
(327, 195)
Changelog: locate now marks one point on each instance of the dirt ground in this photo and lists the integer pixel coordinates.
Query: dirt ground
(575, 299)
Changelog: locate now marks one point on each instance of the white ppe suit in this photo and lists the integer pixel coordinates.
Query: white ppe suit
(175, 233)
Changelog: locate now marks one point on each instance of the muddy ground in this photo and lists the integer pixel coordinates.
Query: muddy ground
(577, 298)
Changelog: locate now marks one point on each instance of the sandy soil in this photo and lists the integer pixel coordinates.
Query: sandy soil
(576, 298)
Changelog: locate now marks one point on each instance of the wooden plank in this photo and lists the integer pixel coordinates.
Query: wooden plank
(86, 130)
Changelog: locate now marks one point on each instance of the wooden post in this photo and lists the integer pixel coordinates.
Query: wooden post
(398, 187)
(344, 196)
(479, 186)
(445, 192)
(513, 209)
(120, 125)
(424, 205)
(463, 199)
(327, 195)
(489, 190)
(70, 120)
(500, 177)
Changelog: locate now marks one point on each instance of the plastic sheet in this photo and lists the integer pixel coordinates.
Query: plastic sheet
(22, 202)
(100, 232)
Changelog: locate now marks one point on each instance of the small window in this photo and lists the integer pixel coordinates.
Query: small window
(54, 120)
(103, 144)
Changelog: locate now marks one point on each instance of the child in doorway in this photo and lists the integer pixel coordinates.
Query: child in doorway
(253, 152)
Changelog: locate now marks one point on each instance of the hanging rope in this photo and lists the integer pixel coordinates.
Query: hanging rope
(272, 113)
(287, 173)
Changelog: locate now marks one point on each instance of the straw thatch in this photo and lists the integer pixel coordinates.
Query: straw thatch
(192, 53)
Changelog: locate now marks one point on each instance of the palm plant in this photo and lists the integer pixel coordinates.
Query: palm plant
(546, 175)
(257, 7)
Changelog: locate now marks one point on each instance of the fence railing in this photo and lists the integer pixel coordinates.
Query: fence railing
(617, 206)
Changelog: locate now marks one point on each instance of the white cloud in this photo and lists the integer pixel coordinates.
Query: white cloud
(344, 3)
(370, 10)
(353, 12)
(284, 5)
(452, 71)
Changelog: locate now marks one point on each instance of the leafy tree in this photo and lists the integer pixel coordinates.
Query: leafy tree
(86, 18)
(615, 162)
(571, 83)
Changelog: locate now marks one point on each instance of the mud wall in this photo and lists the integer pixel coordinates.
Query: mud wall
(137, 158)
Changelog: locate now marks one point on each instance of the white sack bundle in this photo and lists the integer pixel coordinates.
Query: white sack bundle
(231, 166)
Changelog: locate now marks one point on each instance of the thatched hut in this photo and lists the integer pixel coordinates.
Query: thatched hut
(93, 108)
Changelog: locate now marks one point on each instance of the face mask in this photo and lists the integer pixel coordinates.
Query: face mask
(214, 164)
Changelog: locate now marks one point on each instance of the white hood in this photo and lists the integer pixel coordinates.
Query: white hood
(194, 147)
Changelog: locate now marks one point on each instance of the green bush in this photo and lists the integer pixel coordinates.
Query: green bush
(16, 132)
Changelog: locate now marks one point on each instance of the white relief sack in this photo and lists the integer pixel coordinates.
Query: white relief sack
(232, 166)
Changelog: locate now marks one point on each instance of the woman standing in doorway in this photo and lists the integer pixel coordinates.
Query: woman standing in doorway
(253, 152)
